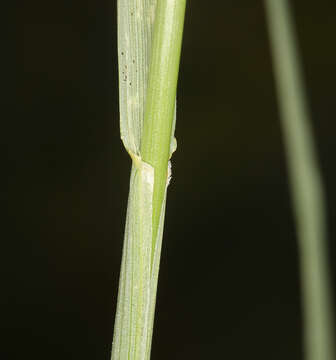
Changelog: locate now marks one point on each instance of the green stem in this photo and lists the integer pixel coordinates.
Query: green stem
(306, 184)
(148, 30)
(160, 97)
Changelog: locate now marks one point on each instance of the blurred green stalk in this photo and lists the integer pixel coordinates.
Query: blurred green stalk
(306, 184)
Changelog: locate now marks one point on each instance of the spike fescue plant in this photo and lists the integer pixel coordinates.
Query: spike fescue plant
(149, 45)
(306, 184)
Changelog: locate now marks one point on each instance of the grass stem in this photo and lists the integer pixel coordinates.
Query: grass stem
(161, 93)
(306, 184)
(149, 46)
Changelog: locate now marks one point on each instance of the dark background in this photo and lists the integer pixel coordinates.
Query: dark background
(229, 282)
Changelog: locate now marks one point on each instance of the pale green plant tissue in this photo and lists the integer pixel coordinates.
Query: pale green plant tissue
(139, 268)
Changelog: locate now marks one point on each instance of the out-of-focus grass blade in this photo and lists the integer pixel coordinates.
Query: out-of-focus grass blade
(306, 184)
